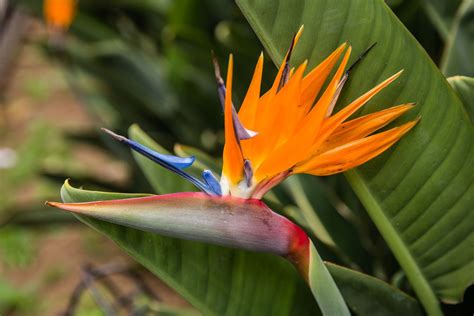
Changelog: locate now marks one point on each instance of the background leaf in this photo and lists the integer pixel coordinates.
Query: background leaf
(441, 14)
(457, 57)
(369, 296)
(419, 192)
(464, 86)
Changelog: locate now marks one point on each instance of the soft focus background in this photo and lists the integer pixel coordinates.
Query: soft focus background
(145, 62)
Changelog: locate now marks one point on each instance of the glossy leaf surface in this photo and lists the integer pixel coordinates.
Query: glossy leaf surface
(419, 193)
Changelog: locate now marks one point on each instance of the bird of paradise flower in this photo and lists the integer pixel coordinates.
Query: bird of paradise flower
(290, 129)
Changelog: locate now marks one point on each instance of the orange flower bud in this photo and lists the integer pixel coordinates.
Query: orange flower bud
(59, 13)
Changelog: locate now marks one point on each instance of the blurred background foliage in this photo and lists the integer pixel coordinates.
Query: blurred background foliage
(148, 62)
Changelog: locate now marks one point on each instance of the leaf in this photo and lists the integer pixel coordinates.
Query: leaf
(441, 14)
(464, 86)
(367, 295)
(216, 280)
(223, 281)
(457, 57)
(324, 288)
(419, 193)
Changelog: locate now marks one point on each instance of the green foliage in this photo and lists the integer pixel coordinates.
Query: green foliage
(13, 299)
(464, 86)
(369, 296)
(457, 58)
(422, 211)
(16, 246)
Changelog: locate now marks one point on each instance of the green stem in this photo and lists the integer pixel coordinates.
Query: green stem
(320, 281)
(414, 274)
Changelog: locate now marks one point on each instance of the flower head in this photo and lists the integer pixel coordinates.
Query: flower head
(291, 128)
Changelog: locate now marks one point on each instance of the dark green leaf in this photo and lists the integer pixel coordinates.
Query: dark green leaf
(457, 57)
(367, 295)
(464, 86)
(419, 193)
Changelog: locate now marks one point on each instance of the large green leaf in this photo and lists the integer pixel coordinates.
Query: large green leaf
(222, 281)
(216, 280)
(419, 193)
(464, 86)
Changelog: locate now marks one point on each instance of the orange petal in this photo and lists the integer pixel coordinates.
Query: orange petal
(333, 122)
(265, 109)
(280, 124)
(248, 109)
(233, 161)
(294, 41)
(363, 126)
(298, 146)
(314, 80)
(353, 154)
(285, 106)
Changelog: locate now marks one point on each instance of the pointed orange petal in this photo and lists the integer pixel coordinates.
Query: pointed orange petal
(276, 83)
(333, 122)
(285, 112)
(318, 112)
(363, 126)
(233, 162)
(298, 146)
(248, 109)
(285, 107)
(291, 109)
(343, 114)
(315, 79)
(353, 154)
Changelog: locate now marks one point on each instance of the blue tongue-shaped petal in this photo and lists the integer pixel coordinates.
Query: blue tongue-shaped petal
(212, 182)
(173, 163)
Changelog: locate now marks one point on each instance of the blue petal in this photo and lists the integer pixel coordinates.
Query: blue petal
(175, 161)
(212, 182)
(169, 162)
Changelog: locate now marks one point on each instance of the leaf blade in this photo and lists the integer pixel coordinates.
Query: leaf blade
(402, 185)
